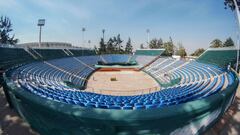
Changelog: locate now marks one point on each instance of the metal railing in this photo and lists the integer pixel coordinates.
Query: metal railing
(118, 92)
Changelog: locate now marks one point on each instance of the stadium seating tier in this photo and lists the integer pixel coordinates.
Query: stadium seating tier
(47, 79)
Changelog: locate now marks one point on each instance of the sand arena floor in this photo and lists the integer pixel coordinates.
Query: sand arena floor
(127, 83)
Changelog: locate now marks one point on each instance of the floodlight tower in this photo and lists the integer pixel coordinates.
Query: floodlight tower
(83, 30)
(148, 32)
(237, 4)
(41, 22)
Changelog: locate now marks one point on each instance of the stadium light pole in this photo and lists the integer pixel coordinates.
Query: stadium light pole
(83, 30)
(103, 32)
(41, 23)
(148, 32)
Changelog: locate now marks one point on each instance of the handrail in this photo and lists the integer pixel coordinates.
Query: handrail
(123, 92)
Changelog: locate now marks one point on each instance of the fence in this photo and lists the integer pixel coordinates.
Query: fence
(123, 92)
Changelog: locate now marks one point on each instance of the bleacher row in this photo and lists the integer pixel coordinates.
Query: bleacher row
(55, 72)
(11, 56)
(117, 58)
(61, 53)
(46, 79)
(187, 71)
(143, 60)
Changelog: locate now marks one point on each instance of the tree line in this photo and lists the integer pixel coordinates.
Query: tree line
(114, 46)
(169, 46)
(216, 43)
(172, 49)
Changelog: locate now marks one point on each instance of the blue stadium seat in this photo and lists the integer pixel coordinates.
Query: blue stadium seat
(47, 81)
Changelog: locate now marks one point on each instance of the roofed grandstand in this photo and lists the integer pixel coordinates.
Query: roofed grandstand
(53, 89)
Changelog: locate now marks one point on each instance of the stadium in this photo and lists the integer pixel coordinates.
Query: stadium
(61, 89)
(81, 88)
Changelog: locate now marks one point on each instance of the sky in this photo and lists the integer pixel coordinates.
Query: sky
(192, 23)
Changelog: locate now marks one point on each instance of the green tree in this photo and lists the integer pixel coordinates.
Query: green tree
(5, 30)
(168, 46)
(181, 51)
(118, 48)
(153, 43)
(110, 46)
(198, 52)
(113, 46)
(228, 43)
(216, 43)
(230, 4)
(102, 49)
(160, 43)
(156, 43)
(129, 47)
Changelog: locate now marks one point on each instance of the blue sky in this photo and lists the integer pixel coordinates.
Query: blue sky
(194, 23)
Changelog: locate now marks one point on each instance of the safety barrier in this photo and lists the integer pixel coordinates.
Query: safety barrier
(123, 92)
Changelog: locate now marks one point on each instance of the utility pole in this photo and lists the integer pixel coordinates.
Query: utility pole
(83, 40)
(148, 40)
